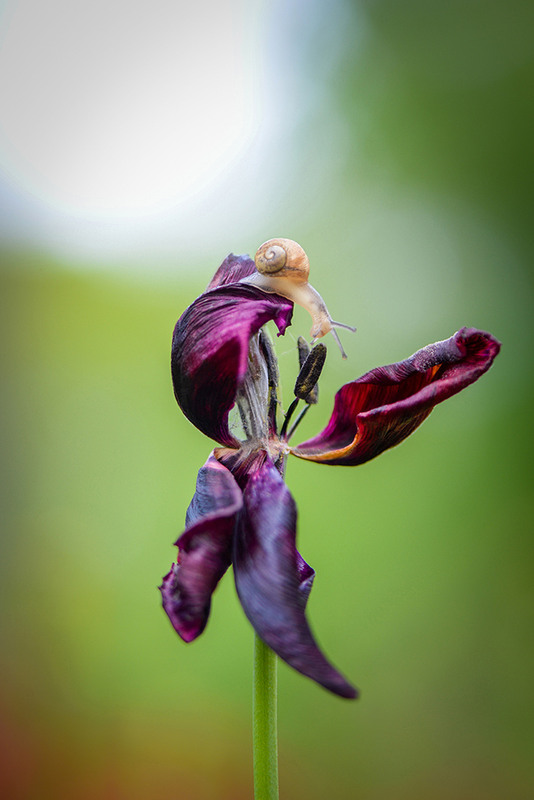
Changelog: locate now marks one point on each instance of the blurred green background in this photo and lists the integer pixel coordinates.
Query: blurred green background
(399, 154)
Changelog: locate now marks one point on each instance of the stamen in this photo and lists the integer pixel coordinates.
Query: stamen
(310, 373)
(288, 416)
(306, 388)
(304, 352)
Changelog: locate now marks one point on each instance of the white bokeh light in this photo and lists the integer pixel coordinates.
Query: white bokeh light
(125, 108)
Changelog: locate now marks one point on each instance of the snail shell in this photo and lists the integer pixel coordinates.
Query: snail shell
(283, 258)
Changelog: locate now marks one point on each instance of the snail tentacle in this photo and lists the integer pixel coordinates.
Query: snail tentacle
(350, 328)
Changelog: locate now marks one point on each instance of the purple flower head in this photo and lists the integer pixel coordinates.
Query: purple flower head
(242, 512)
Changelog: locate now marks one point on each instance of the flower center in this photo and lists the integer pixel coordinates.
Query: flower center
(255, 419)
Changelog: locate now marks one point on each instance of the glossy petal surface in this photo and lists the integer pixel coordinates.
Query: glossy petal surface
(205, 550)
(210, 352)
(273, 581)
(232, 270)
(383, 407)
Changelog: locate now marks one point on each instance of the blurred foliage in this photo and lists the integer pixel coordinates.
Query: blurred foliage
(413, 183)
(444, 90)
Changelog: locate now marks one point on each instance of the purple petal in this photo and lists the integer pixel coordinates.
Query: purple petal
(273, 581)
(205, 550)
(306, 577)
(383, 407)
(232, 270)
(210, 352)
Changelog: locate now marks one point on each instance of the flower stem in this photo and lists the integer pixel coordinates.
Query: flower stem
(264, 736)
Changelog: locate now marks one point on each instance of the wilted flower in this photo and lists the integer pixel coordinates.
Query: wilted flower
(242, 512)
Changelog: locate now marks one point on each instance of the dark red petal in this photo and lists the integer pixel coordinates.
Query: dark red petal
(383, 407)
(273, 581)
(232, 270)
(205, 550)
(210, 351)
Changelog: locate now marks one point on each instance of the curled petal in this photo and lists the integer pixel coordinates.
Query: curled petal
(273, 581)
(232, 270)
(205, 550)
(383, 407)
(306, 577)
(210, 351)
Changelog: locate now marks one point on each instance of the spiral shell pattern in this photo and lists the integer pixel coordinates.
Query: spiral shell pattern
(282, 258)
(270, 258)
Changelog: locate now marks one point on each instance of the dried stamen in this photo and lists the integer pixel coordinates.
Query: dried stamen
(311, 365)
(306, 383)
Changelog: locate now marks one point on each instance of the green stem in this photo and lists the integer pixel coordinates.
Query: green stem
(264, 735)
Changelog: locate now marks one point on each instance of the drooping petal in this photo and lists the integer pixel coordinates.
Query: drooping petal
(205, 550)
(273, 581)
(383, 407)
(210, 351)
(232, 270)
(306, 577)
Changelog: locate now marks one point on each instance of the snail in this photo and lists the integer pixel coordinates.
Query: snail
(283, 268)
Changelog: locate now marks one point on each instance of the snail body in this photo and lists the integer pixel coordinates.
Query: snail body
(283, 268)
